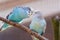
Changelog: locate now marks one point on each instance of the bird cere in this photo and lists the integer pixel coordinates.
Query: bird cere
(38, 23)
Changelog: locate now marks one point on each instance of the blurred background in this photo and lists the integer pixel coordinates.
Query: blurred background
(49, 9)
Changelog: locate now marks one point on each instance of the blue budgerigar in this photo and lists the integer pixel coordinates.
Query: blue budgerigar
(17, 15)
(38, 24)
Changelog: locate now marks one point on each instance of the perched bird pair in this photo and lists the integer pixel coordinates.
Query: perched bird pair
(17, 15)
(38, 23)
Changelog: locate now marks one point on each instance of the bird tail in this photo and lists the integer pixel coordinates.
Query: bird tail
(34, 38)
(4, 26)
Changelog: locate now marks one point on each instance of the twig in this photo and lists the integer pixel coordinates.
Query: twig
(20, 26)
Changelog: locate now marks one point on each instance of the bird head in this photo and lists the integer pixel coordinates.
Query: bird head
(37, 14)
(27, 9)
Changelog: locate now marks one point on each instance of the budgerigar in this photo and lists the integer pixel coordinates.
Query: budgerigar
(38, 24)
(18, 14)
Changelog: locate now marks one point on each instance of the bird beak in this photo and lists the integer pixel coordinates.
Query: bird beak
(30, 14)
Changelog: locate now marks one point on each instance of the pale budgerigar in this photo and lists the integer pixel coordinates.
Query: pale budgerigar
(38, 24)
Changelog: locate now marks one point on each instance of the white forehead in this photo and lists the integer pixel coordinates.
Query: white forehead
(37, 12)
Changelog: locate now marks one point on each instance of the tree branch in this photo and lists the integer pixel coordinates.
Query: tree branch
(20, 26)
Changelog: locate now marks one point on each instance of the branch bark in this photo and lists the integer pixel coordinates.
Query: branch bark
(20, 26)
